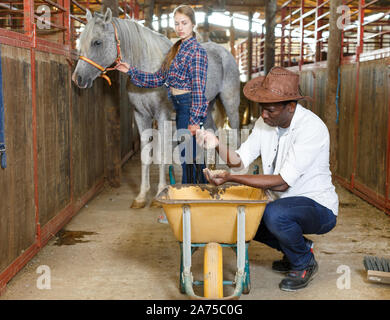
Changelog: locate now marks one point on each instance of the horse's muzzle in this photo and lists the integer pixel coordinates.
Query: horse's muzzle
(80, 82)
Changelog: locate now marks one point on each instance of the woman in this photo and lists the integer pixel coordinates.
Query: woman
(184, 72)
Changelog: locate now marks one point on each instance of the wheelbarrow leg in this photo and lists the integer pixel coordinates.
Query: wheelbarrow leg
(247, 281)
(181, 284)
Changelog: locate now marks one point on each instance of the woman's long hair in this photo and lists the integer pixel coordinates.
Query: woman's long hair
(190, 13)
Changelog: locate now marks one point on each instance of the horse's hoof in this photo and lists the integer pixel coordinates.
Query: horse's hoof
(137, 204)
(155, 204)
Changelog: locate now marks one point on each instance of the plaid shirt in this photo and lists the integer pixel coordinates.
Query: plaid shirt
(188, 71)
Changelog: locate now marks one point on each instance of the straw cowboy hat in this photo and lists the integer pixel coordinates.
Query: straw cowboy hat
(278, 85)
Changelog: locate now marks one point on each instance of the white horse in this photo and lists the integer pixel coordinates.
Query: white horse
(146, 49)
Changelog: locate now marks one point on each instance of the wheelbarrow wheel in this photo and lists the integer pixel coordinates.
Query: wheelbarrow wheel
(213, 271)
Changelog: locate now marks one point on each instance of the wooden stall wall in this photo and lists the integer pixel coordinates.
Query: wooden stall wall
(313, 84)
(363, 150)
(50, 178)
(17, 211)
(363, 130)
(372, 131)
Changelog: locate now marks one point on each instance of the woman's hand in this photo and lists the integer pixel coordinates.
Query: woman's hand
(193, 128)
(206, 139)
(122, 67)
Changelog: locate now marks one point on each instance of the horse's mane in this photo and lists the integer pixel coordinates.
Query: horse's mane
(136, 40)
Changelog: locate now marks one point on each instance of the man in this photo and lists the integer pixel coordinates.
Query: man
(294, 147)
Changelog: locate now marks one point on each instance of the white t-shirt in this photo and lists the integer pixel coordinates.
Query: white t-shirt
(302, 157)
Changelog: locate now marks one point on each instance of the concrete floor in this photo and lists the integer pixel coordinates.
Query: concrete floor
(124, 253)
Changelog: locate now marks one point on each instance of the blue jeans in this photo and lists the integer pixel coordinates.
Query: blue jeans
(192, 172)
(285, 221)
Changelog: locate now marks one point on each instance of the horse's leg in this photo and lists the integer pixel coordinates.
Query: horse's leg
(144, 122)
(210, 123)
(164, 151)
(230, 97)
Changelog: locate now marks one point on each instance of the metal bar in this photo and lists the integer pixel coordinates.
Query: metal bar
(376, 34)
(318, 34)
(35, 137)
(186, 238)
(360, 33)
(51, 24)
(17, 265)
(28, 6)
(285, 4)
(370, 3)
(387, 188)
(379, 18)
(79, 5)
(241, 238)
(302, 36)
(282, 38)
(54, 4)
(78, 19)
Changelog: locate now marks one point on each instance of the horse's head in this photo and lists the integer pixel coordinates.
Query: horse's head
(98, 44)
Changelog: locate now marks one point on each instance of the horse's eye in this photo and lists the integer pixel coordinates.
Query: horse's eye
(97, 43)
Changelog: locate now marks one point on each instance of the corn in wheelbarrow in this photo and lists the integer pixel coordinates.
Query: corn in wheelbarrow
(213, 217)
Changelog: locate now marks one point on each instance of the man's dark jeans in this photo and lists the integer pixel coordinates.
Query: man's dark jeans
(285, 221)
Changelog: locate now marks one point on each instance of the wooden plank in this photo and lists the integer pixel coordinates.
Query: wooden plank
(112, 131)
(53, 135)
(346, 123)
(320, 92)
(378, 276)
(372, 132)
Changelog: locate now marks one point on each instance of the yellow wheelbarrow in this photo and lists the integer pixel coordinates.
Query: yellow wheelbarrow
(203, 215)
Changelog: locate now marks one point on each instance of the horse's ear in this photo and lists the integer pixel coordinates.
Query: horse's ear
(88, 15)
(107, 16)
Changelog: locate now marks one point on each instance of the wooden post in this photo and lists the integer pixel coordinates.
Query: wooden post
(148, 13)
(282, 39)
(302, 41)
(159, 13)
(270, 23)
(318, 34)
(232, 36)
(333, 64)
(206, 27)
(250, 46)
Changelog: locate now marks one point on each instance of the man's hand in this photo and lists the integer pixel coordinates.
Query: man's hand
(206, 139)
(122, 67)
(216, 177)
